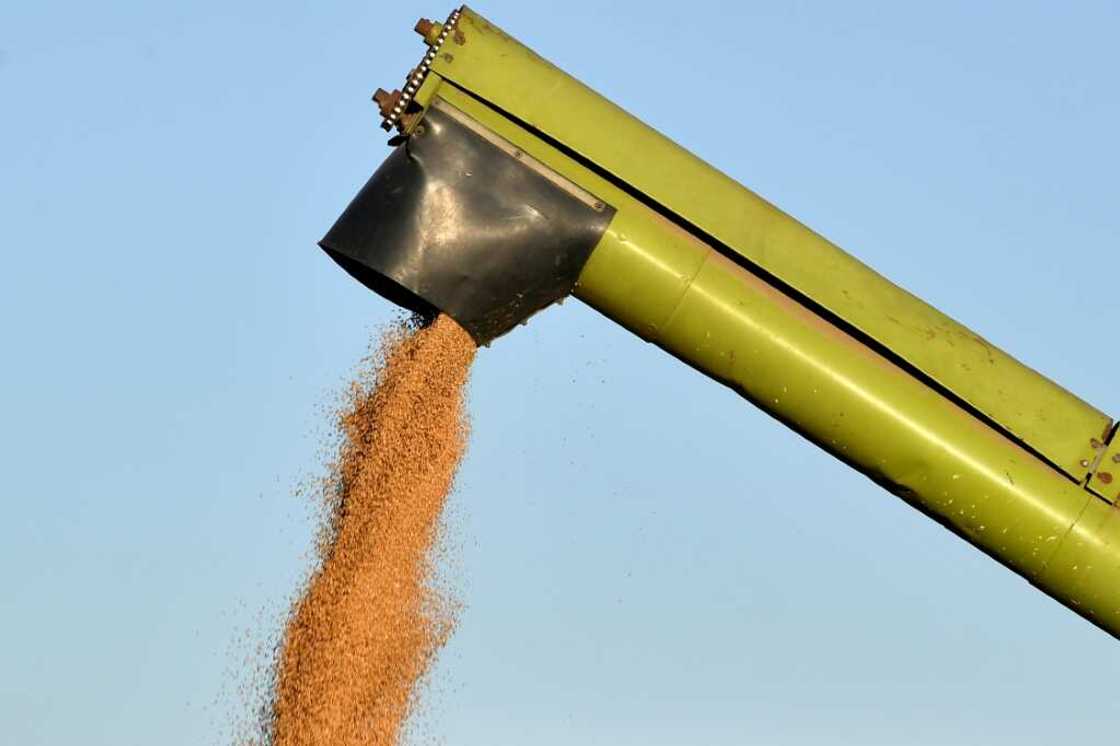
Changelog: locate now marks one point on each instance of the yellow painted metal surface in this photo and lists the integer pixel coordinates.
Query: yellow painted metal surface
(660, 281)
(710, 313)
(1036, 412)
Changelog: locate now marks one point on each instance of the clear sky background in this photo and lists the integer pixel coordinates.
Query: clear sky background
(644, 558)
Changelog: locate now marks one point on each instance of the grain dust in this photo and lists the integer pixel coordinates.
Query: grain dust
(371, 620)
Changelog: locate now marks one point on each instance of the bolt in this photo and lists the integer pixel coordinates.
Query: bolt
(386, 101)
(1104, 476)
(1084, 462)
(427, 29)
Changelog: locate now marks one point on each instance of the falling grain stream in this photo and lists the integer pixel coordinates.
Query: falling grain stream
(371, 620)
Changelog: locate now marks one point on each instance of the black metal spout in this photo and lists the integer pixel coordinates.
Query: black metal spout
(456, 220)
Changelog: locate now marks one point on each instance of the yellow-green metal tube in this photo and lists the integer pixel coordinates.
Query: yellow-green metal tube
(495, 68)
(664, 284)
(678, 293)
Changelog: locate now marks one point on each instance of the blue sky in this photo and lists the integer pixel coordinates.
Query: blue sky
(644, 558)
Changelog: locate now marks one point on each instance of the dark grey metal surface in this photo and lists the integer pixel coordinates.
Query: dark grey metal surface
(453, 222)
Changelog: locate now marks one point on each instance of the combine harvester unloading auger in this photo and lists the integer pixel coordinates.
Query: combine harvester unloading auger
(513, 185)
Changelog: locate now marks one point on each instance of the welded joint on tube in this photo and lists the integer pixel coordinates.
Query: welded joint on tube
(1104, 472)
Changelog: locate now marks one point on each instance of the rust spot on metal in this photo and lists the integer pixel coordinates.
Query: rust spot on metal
(1116, 458)
(448, 57)
(1105, 477)
(1096, 444)
(459, 37)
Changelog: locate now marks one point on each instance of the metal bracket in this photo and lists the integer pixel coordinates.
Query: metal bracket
(394, 105)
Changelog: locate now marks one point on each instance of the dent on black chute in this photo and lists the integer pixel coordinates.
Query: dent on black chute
(452, 222)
